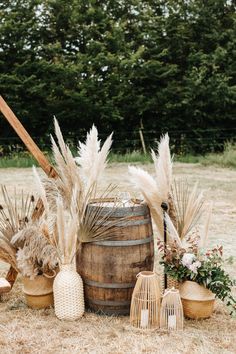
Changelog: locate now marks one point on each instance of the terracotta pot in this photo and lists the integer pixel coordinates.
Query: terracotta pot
(38, 291)
(198, 302)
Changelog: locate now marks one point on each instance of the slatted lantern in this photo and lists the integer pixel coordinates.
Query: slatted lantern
(171, 317)
(145, 304)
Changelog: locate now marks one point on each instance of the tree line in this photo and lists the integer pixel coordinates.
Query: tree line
(168, 65)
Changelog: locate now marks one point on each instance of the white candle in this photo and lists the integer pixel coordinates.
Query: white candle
(144, 318)
(172, 322)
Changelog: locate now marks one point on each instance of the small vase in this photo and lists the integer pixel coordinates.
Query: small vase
(198, 301)
(38, 291)
(68, 293)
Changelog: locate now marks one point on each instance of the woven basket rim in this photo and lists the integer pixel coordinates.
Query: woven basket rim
(191, 300)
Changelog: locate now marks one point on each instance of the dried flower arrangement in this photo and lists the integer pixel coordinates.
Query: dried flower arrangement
(26, 243)
(80, 174)
(184, 206)
(204, 268)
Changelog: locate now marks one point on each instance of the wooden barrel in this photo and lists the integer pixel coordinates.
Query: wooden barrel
(109, 268)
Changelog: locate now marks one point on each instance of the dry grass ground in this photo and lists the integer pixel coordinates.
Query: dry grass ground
(30, 331)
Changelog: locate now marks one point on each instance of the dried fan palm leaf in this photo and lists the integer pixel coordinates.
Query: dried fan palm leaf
(14, 216)
(204, 233)
(188, 205)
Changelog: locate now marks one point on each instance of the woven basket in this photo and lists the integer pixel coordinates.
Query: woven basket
(38, 291)
(68, 294)
(198, 302)
(171, 283)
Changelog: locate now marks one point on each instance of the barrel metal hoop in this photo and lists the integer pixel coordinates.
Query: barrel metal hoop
(109, 303)
(125, 223)
(108, 285)
(122, 212)
(124, 243)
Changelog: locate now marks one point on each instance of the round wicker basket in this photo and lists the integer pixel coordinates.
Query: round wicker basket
(198, 302)
(38, 291)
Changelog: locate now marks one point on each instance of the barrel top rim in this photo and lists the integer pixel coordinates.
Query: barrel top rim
(137, 205)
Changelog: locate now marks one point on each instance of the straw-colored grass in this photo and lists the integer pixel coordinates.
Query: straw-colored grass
(38, 331)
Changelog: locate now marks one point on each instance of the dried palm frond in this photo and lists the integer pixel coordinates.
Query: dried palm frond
(15, 215)
(205, 231)
(99, 221)
(92, 158)
(188, 205)
(148, 187)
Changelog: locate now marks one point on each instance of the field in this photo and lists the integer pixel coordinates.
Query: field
(30, 331)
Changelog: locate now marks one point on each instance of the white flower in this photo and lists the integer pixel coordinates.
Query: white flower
(188, 259)
(194, 267)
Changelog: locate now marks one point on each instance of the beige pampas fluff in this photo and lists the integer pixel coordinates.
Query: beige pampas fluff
(92, 158)
(68, 172)
(163, 167)
(148, 187)
(158, 190)
(35, 254)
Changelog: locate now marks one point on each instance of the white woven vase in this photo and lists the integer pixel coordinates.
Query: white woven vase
(68, 293)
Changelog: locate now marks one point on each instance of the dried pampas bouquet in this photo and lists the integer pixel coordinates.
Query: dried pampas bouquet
(184, 205)
(81, 174)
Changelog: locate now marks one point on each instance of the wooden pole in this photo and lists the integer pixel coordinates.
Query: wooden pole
(38, 155)
(165, 208)
(142, 138)
(26, 138)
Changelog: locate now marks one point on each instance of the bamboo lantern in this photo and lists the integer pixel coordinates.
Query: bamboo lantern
(172, 316)
(145, 303)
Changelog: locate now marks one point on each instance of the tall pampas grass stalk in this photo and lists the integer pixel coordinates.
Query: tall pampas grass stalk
(92, 157)
(163, 167)
(146, 184)
(158, 190)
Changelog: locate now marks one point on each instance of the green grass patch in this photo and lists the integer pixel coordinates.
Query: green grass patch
(225, 159)
(131, 157)
(17, 161)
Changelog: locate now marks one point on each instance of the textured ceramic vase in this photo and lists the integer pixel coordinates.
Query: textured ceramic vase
(68, 293)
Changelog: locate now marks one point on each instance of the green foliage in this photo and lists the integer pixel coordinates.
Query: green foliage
(205, 269)
(170, 63)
